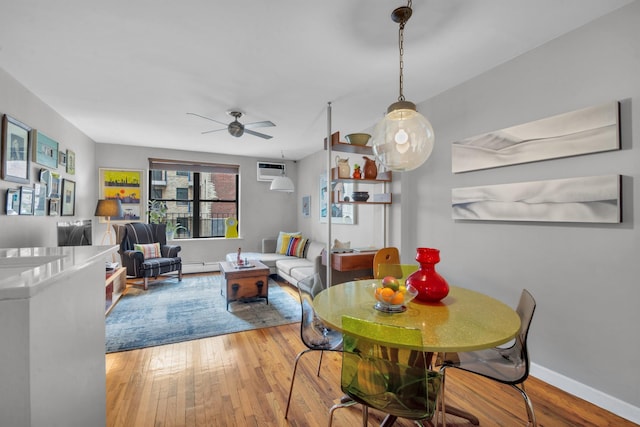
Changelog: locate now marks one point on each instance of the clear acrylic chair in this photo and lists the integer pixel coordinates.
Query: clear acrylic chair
(315, 335)
(382, 369)
(508, 365)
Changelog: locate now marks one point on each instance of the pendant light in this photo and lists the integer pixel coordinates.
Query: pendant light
(282, 183)
(403, 139)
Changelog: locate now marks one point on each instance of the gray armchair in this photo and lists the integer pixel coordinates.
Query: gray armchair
(138, 233)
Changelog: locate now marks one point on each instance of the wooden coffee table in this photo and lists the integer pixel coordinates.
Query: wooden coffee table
(245, 283)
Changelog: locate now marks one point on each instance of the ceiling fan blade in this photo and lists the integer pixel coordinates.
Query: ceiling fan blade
(211, 131)
(254, 133)
(208, 118)
(266, 123)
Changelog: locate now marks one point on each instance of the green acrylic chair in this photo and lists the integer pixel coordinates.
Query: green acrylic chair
(382, 370)
(399, 271)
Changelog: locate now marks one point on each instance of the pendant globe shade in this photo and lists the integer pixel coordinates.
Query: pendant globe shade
(403, 139)
(282, 183)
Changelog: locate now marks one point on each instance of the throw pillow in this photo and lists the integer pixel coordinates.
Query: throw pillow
(337, 244)
(151, 250)
(297, 247)
(281, 245)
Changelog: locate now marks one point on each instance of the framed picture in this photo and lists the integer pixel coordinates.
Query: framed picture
(45, 150)
(71, 162)
(125, 185)
(62, 159)
(13, 201)
(54, 207)
(54, 193)
(39, 199)
(45, 178)
(68, 197)
(340, 213)
(26, 201)
(15, 150)
(306, 206)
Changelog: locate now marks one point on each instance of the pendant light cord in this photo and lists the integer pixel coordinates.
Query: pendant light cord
(401, 50)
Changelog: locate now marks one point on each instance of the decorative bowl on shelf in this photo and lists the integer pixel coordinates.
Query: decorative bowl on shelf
(358, 138)
(392, 297)
(360, 196)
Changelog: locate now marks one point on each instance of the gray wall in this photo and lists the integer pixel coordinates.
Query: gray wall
(263, 213)
(584, 277)
(26, 231)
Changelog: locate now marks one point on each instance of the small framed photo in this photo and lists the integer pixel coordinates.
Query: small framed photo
(306, 206)
(45, 150)
(54, 193)
(39, 199)
(62, 159)
(16, 138)
(54, 207)
(13, 201)
(71, 162)
(68, 197)
(26, 200)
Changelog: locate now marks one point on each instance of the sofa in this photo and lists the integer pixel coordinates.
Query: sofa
(288, 267)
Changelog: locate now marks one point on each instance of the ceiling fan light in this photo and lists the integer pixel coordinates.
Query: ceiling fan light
(403, 139)
(282, 183)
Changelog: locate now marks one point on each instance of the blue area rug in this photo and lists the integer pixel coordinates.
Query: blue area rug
(172, 311)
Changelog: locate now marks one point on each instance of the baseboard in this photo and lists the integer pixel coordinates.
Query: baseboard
(585, 392)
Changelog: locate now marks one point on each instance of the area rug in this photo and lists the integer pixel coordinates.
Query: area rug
(173, 311)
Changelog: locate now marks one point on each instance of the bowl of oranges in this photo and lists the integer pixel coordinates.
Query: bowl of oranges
(392, 296)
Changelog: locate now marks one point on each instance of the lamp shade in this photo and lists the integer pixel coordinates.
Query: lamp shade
(282, 183)
(403, 139)
(109, 208)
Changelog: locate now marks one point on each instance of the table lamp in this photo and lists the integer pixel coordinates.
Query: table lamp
(108, 208)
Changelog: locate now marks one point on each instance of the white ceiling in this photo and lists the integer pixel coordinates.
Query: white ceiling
(128, 71)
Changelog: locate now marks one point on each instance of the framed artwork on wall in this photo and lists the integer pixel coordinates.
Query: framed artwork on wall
(124, 185)
(54, 193)
(13, 201)
(54, 207)
(45, 150)
(340, 213)
(39, 199)
(26, 201)
(16, 138)
(71, 162)
(306, 206)
(68, 198)
(62, 159)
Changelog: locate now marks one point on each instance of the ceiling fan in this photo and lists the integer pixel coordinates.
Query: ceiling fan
(238, 129)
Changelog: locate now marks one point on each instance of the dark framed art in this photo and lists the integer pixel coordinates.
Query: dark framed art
(45, 150)
(26, 200)
(71, 162)
(16, 138)
(54, 207)
(62, 159)
(68, 198)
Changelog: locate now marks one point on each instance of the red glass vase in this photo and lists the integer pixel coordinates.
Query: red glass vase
(431, 286)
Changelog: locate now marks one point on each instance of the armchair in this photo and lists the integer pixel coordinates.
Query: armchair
(154, 264)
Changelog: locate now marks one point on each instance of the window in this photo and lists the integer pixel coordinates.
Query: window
(205, 191)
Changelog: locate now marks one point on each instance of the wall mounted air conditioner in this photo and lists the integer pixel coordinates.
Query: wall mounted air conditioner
(267, 171)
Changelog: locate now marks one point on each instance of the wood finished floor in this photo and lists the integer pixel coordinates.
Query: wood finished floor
(243, 379)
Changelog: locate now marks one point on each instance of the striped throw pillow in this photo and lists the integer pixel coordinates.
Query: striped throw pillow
(297, 247)
(283, 241)
(151, 250)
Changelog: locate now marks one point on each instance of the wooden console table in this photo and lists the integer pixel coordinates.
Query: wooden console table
(114, 287)
(350, 261)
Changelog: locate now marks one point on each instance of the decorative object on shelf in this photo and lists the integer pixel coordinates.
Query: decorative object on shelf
(403, 139)
(344, 170)
(360, 196)
(282, 183)
(107, 209)
(358, 138)
(230, 227)
(16, 140)
(431, 286)
(370, 168)
(340, 213)
(357, 174)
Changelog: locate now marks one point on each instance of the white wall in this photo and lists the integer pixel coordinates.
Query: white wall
(583, 276)
(263, 213)
(27, 231)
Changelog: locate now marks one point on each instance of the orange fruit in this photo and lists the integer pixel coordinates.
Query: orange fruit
(387, 294)
(398, 298)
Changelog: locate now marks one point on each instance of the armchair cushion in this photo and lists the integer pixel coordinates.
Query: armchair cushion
(151, 250)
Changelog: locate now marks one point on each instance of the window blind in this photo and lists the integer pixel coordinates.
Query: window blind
(191, 166)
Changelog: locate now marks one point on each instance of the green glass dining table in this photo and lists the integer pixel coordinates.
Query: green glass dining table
(465, 320)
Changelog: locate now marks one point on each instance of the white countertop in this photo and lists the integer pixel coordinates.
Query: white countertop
(26, 271)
